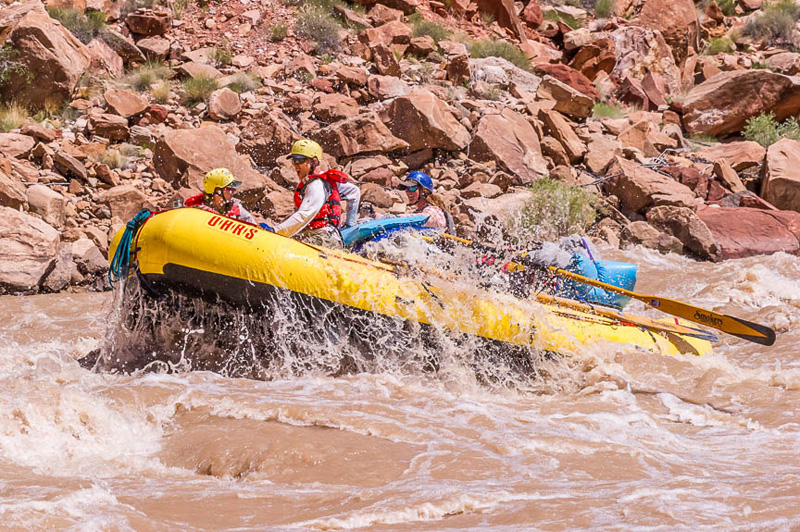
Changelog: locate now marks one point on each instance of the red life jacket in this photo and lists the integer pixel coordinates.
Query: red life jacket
(331, 211)
(200, 202)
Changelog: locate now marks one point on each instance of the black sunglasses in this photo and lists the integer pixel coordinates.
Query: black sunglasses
(299, 160)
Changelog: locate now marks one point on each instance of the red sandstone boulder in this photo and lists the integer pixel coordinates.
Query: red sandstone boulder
(509, 140)
(224, 104)
(686, 226)
(677, 21)
(532, 14)
(29, 247)
(53, 59)
(425, 121)
(364, 133)
(335, 107)
(148, 24)
(781, 184)
(183, 156)
(639, 188)
(571, 77)
(641, 50)
(745, 232)
(722, 104)
(267, 137)
(741, 155)
(125, 103)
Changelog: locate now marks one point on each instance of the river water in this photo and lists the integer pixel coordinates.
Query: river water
(617, 439)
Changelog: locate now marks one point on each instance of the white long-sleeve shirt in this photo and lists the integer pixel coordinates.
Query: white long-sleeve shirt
(316, 192)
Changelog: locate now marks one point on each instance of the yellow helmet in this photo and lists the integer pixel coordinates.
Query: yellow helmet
(306, 148)
(219, 178)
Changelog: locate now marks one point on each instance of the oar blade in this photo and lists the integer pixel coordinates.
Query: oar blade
(759, 334)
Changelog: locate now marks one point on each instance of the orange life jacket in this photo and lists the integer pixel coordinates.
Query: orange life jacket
(331, 211)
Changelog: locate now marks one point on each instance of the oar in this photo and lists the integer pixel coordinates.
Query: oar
(738, 327)
(618, 316)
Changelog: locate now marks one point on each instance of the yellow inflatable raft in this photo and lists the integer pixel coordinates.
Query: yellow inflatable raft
(193, 251)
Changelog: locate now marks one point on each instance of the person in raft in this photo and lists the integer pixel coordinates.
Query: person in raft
(418, 187)
(219, 186)
(317, 199)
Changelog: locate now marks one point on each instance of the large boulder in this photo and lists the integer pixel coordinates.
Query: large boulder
(53, 60)
(510, 140)
(505, 14)
(745, 232)
(364, 133)
(124, 201)
(640, 51)
(568, 100)
(48, 204)
(676, 20)
(16, 145)
(266, 137)
(224, 104)
(183, 156)
(125, 103)
(781, 184)
(425, 121)
(12, 192)
(686, 226)
(722, 104)
(29, 247)
(500, 71)
(741, 155)
(639, 188)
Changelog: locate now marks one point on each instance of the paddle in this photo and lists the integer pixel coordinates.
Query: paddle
(738, 327)
(639, 321)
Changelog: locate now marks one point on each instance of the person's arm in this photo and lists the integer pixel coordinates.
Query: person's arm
(350, 194)
(245, 216)
(313, 201)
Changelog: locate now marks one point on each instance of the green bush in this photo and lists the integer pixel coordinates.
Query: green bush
(244, 83)
(728, 7)
(12, 116)
(161, 91)
(504, 49)
(143, 77)
(220, 55)
(84, 27)
(278, 32)
(604, 8)
(556, 210)
(765, 130)
(198, 89)
(554, 16)
(775, 24)
(10, 65)
(422, 27)
(319, 26)
(607, 110)
(719, 45)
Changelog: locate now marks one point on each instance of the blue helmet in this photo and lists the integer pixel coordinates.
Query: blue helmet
(422, 178)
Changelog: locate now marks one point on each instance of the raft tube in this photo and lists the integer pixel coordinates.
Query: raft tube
(198, 252)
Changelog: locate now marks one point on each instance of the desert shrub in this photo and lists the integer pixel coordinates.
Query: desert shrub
(83, 26)
(244, 83)
(607, 110)
(765, 130)
(113, 159)
(727, 7)
(220, 55)
(178, 7)
(604, 8)
(556, 210)
(160, 92)
(278, 32)
(198, 89)
(422, 27)
(12, 116)
(10, 65)
(504, 49)
(319, 26)
(719, 45)
(775, 24)
(143, 77)
(569, 20)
